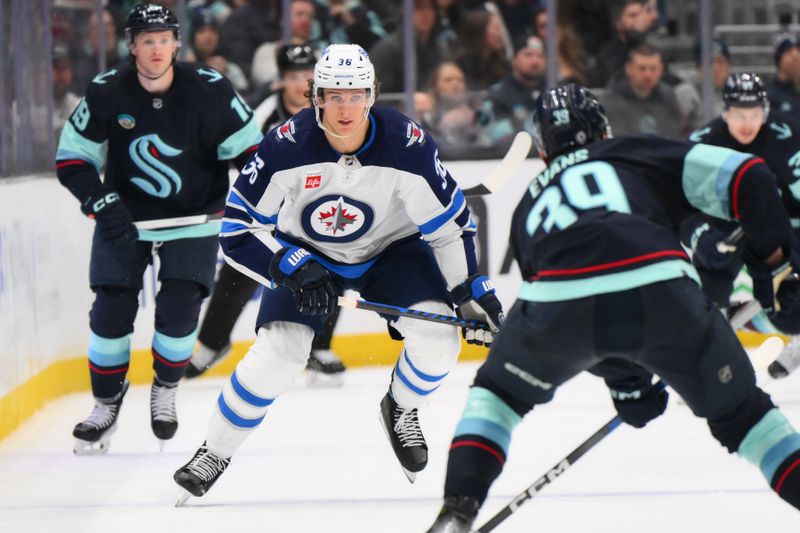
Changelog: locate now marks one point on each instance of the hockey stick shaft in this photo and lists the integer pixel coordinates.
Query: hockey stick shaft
(386, 309)
(763, 356)
(510, 164)
(729, 244)
(749, 310)
(165, 223)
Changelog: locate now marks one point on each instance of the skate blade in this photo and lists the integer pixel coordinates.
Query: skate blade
(161, 444)
(182, 497)
(85, 447)
(321, 380)
(411, 476)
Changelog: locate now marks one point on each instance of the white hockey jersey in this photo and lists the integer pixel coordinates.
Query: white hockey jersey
(347, 209)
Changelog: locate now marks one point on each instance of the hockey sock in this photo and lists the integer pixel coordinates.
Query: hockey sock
(480, 445)
(108, 364)
(774, 445)
(410, 385)
(171, 355)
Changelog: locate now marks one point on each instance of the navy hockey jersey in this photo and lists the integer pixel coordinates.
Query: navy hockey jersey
(606, 217)
(167, 154)
(777, 143)
(347, 209)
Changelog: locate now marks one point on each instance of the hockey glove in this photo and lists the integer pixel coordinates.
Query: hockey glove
(640, 406)
(312, 285)
(113, 218)
(766, 280)
(475, 300)
(705, 254)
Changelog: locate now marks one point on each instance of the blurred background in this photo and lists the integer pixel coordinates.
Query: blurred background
(469, 71)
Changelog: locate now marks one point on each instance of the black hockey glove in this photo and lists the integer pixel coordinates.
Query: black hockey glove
(787, 320)
(767, 280)
(113, 218)
(475, 300)
(312, 285)
(705, 254)
(640, 406)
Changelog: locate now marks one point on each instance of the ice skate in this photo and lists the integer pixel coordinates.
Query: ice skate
(456, 516)
(92, 436)
(163, 417)
(788, 360)
(199, 474)
(325, 369)
(402, 429)
(204, 358)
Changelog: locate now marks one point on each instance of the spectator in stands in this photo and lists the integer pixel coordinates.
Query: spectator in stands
(87, 64)
(451, 119)
(639, 101)
(204, 41)
(247, 27)
(511, 101)
(689, 92)
(784, 90)
(64, 100)
(483, 58)
(630, 24)
(432, 46)
(348, 21)
(220, 10)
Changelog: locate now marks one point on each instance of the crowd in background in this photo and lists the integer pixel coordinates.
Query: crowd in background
(479, 65)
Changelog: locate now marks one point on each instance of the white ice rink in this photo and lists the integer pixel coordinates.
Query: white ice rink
(321, 463)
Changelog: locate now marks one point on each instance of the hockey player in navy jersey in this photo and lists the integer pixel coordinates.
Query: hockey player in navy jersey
(233, 289)
(346, 196)
(608, 288)
(748, 125)
(172, 129)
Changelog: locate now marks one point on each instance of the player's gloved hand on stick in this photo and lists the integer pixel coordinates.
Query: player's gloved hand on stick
(767, 279)
(475, 300)
(640, 406)
(311, 283)
(113, 218)
(705, 254)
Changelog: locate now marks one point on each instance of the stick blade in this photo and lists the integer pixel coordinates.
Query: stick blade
(765, 354)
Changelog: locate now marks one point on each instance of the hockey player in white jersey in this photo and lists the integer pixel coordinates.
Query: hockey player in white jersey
(346, 196)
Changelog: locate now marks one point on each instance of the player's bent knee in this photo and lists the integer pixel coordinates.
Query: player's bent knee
(178, 307)
(113, 311)
(430, 340)
(731, 429)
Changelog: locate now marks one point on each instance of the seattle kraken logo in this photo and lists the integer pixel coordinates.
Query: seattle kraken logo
(144, 152)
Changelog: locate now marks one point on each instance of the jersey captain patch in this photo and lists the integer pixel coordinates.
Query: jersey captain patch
(337, 218)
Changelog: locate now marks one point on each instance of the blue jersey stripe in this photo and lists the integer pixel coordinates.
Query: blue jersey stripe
(246, 395)
(437, 222)
(235, 199)
(235, 419)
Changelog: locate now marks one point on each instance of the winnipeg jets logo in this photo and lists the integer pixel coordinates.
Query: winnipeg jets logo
(336, 218)
(414, 134)
(286, 131)
(146, 152)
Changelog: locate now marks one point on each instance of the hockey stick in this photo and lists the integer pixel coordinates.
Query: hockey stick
(165, 223)
(386, 309)
(512, 161)
(761, 359)
(729, 244)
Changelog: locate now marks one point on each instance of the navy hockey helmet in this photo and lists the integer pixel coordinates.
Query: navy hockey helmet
(296, 57)
(744, 89)
(151, 17)
(567, 117)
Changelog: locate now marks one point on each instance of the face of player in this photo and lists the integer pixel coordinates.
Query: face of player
(154, 51)
(744, 123)
(344, 109)
(295, 85)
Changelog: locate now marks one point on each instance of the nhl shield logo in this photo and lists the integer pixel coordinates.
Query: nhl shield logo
(336, 218)
(286, 131)
(126, 121)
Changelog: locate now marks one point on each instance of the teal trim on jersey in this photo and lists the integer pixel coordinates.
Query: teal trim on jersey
(174, 348)
(188, 232)
(73, 145)
(707, 173)
(249, 135)
(109, 352)
(487, 415)
(557, 291)
(769, 442)
(794, 221)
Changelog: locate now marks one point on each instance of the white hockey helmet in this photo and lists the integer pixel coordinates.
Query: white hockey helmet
(343, 66)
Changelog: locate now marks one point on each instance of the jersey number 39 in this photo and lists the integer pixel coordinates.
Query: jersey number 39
(587, 186)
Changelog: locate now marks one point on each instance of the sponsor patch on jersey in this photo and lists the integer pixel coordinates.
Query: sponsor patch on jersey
(313, 182)
(414, 134)
(126, 121)
(286, 131)
(336, 218)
